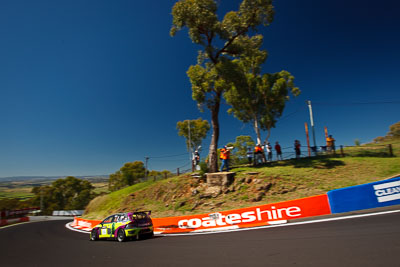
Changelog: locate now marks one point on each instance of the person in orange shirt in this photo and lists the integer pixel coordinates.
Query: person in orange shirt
(330, 143)
(224, 156)
(258, 154)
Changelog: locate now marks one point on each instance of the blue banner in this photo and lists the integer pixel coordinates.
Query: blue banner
(366, 196)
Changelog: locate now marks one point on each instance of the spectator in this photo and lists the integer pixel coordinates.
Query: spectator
(297, 148)
(250, 155)
(196, 158)
(258, 154)
(268, 148)
(224, 156)
(278, 151)
(330, 143)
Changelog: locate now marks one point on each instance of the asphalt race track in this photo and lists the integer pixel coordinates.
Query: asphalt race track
(367, 241)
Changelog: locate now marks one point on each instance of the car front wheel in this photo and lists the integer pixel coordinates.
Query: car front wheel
(121, 235)
(94, 235)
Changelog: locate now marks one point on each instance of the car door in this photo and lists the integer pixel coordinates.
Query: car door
(115, 224)
(106, 228)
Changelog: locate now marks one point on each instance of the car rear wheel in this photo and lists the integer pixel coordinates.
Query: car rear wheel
(94, 235)
(121, 235)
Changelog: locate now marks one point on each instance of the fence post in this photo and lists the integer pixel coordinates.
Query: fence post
(341, 151)
(390, 150)
(177, 172)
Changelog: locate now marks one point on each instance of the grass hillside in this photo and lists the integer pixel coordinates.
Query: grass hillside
(271, 183)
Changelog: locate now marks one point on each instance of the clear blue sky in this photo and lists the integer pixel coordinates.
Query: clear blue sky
(86, 86)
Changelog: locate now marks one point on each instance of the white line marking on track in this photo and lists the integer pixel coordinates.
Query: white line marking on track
(289, 224)
(263, 227)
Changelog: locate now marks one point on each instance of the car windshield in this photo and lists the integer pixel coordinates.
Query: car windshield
(140, 217)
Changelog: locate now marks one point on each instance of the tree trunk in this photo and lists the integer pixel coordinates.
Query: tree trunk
(268, 135)
(257, 130)
(212, 154)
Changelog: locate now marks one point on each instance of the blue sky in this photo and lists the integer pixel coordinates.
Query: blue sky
(86, 86)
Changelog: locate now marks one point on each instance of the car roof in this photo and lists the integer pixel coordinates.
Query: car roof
(128, 213)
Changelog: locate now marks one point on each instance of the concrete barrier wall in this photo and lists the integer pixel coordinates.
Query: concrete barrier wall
(366, 196)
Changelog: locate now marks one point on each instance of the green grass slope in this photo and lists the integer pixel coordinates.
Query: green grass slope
(271, 183)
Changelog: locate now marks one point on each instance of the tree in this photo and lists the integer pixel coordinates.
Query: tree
(242, 145)
(259, 99)
(163, 174)
(394, 130)
(221, 43)
(64, 194)
(127, 175)
(194, 131)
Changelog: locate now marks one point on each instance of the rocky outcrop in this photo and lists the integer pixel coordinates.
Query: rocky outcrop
(217, 183)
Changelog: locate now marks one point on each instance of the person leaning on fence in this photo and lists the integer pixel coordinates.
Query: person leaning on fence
(297, 148)
(196, 157)
(250, 155)
(268, 148)
(278, 151)
(258, 154)
(330, 143)
(224, 156)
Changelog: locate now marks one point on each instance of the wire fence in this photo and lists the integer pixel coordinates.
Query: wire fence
(289, 153)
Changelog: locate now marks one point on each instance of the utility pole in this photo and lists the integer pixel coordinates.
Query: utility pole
(312, 125)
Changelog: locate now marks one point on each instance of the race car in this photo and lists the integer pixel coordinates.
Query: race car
(123, 226)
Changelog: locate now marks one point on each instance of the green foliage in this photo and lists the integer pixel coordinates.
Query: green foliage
(14, 203)
(258, 99)
(198, 131)
(222, 42)
(379, 139)
(242, 145)
(394, 130)
(63, 194)
(129, 174)
(357, 142)
(203, 168)
(163, 174)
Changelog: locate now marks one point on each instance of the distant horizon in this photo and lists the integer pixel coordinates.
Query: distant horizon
(53, 176)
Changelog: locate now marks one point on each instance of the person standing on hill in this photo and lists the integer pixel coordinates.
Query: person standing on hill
(278, 151)
(297, 147)
(330, 143)
(258, 154)
(250, 155)
(224, 156)
(268, 148)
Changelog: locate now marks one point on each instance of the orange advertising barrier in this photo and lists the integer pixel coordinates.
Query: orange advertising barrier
(247, 217)
(84, 224)
(262, 215)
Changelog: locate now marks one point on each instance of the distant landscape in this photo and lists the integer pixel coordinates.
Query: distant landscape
(20, 187)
